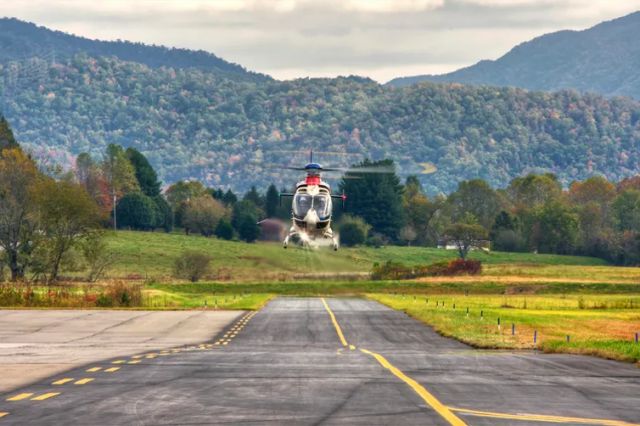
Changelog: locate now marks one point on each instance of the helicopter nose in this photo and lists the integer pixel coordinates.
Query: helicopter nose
(311, 218)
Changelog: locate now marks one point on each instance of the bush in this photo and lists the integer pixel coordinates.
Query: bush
(203, 215)
(398, 271)
(224, 230)
(192, 265)
(353, 231)
(136, 211)
(120, 294)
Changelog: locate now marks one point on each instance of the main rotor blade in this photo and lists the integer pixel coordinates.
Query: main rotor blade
(357, 170)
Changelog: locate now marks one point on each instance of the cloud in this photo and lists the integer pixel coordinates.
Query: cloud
(290, 38)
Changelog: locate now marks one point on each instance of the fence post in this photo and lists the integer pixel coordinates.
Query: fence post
(481, 315)
(568, 338)
(636, 337)
(467, 312)
(535, 336)
(513, 329)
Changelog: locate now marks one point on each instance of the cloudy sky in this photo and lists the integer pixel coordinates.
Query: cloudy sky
(381, 39)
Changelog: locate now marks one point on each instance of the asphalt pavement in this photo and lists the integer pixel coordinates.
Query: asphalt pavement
(312, 361)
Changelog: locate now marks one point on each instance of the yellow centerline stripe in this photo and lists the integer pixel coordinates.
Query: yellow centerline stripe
(2, 414)
(335, 323)
(427, 396)
(431, 400)
(62, 381)
(112, 369)
(542, 418)
(45, 396)
(83, 381)
(94, 369)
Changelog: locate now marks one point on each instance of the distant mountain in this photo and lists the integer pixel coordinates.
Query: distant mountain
(196, 124)
(603, 59)
(20, 41)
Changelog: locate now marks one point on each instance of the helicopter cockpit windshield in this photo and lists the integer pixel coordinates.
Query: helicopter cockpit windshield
(320, 203)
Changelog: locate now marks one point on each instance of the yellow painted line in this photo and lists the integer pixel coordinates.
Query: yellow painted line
(84, 381)
(335, 323)
(225, 343)
(137, 361)
(45, 396)
(2, 414)
(62, 381)
(542, 418)
(427, 396)
(94, 369)
(120, 361)
(20, 397)
(150, 356)
(353, 348)
(137, 356)
(112, 369)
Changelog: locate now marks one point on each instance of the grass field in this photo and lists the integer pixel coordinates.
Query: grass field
(603, 325)
(151, 256)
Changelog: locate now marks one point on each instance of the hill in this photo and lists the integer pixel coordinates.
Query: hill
(603, 59)
(21, 41)
(192, 123)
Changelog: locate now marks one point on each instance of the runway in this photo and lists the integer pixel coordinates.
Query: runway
(313, 361)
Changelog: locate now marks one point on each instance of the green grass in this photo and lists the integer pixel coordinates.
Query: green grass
(603, 325)
(152, 255)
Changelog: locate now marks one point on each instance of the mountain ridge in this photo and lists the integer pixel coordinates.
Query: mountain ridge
(602, 59)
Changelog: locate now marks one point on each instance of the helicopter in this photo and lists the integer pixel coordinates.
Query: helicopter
(312, 205)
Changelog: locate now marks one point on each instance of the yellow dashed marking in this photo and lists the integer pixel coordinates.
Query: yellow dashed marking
(45, 396)
(137, 356)
(137, 361)
(112, 369)
(2, 414)
(120, 361)
(150, 356)
(20, 397)
(84, 381)
(353, 348)
(225, 343)
(94, 369)
(542, 418)
(62, 381)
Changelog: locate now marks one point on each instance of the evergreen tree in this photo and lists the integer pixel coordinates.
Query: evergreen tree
(272, 201)
(224, 230)
(229, 198)
(164, 214)
(7, 140)
(376, 197)
(146, 176)
(248, 228)
(255, 197)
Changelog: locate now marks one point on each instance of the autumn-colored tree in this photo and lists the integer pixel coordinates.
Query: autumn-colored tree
(203, 214)
(118, 173)
(18, 213)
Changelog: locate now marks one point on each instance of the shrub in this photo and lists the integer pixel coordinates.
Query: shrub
(191, 265)
(353, 231)
(224, 230)
(398, 271)
(464, 267)
(120, 294)
(248, 228)
(136, 211)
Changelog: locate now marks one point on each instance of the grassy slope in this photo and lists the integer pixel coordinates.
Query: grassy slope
(152, 255)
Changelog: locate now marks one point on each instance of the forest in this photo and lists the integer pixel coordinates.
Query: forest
(193, 124)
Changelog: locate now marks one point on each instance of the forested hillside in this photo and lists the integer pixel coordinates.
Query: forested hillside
(21, 40)
(604, 59)
(194, 124)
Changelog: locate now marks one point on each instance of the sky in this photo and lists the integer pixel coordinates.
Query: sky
(381, 39)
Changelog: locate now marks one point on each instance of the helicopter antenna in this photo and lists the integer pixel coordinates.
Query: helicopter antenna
(311, 156)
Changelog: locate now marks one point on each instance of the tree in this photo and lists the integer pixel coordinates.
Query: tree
(136, 211)
(67, 214)
(119, 174)
(272, 201)
(255, 197)
(145, 175)
(419, 210)
(466, 235)
(477, 198)
(203, 214)
(248, 228)
(97, 256)
(534, 190)
(7, 140)
(505, 233)
(164, 214)
(224, 230)
(229, 198)
(179, 194)
(408, 234)
(626, 211)
(376, 197)
(558, 228)
(353, 230)
(18, 213)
